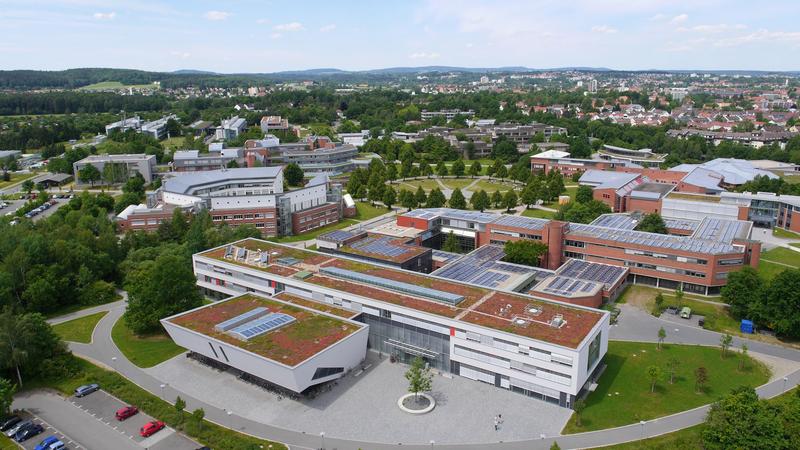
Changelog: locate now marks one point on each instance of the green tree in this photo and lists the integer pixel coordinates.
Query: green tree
(700, 379)
(741, 421)
(293, 174)
(419, 376)
(510, 200)
(159, 288)
(198, 415)
(652, 223)
(180, 404)
(497, 198)
(662, 334)
(441, 169)
(7, 390)
(779, 307)
(451, 244)
(457, 200)
(654, 374)
(26, 342)
(743, 358)
(406, 199)
(555, 446)
(659, 304)
(743, 291)
(501, 172)
(524, 251)
(475, 168)
(457, 169)
(480, 200)
(577, 407)
(584, 194)
(672, 366)
(361, 194)
(420, 196)
(426, 170)
(389, 197)
(28, 186)
(679, 297)
(435, 199)
(724, 344)
(391, 172)
(88, 174)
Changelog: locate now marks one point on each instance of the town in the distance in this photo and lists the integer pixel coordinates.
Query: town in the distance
(418, 257)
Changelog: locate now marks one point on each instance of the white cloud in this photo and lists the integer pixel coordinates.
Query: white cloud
(424, 55)
(217, 15)
(262, 21)
(328, 28)
(717, 28)
(680, 18)
(292, 26)
(104, 16)
(760, 36)
(275, 36)
(183, 55)
(604, 29)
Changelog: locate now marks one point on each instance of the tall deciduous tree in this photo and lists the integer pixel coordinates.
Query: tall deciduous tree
(584, 194)
(451, 244)
(420, 197)
(741, 420)
(293, 174)
(419, 377)
(457, 169)
(652, 223)
(88, 174)
(7, 390)
(743, 291)
(457, 200)
(480, 200)
(654, 374)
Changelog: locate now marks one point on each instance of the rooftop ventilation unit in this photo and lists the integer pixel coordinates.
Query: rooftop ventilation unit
(534, 310)
(520, 321)
(557, 321)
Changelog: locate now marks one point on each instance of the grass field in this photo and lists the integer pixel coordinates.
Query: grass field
(785, 234)
(104, 85)
(686, 439)
(144, 351)
(769, 268)
(206, 432)
(460, 183)
(491, 186)
(16, 177)
(79, 330)
(6, 443)
(427, 184)
(539, 213)
(623, 394)
(173, 143)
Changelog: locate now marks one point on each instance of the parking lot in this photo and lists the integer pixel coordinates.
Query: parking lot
(14, 205)
(89, 423)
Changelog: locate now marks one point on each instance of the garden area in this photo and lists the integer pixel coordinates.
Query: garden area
(776, 261)
(627, 391)
(79, 330)
(539, 213)
(144, 351)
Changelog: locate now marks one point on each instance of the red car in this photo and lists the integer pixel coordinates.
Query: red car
(125, 412)
(150, 428)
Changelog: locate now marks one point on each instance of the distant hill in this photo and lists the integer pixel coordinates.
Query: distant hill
(193, 72)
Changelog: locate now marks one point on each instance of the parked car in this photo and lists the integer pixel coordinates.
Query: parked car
(58, 445)
(47, 443)
(86, 389)
(13, 430)
(686, 312)
(151, 428)
(28, 432)
(125, 412)
(9, 422)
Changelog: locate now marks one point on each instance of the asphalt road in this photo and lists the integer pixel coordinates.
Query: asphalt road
(89, 423)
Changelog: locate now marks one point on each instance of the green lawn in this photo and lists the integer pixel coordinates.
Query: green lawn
(427, 184)
(16, 177)
(791, 179)
(460, 183)
(6, 443)
(367, 211)
(173, 143)
(206, 432)
(571, 191)
(623, 394)
(314, 233)
(539, 213)
(144, 351)
(491, 186)
(786, 234)
(768, 267)
(79, 330)
(686, 439)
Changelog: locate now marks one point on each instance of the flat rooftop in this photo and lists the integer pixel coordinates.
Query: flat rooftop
(392, 229)
(484, 267)
(385, 248)
(693, 197)
(397, 287)
(651, 190)
(309, 333)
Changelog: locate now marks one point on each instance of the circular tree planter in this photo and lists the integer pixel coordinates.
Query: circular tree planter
(423, 403)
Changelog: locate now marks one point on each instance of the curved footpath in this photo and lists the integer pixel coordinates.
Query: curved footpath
(639, 326)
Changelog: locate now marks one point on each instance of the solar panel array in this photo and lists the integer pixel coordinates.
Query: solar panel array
(721, 230)
(568, 287)
(664, 241)
(421, 291)
(484, 268)
(261, 325)
(457, 214)
(336, 236)
(240, 319)
(619, 221)
(383, 245)
(681, 224)
(585, 270)
(528, 223)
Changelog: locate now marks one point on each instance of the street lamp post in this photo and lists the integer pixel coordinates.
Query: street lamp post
(322, 438)
(230, 420)
(113, 362)
(163, 385)
(642, 424)
(785, 379)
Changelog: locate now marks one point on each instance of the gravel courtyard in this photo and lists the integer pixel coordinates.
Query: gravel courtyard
(365, 406)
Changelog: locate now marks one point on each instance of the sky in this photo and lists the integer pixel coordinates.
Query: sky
(268, 36)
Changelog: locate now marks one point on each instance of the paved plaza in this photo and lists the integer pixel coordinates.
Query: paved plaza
(364, 407)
